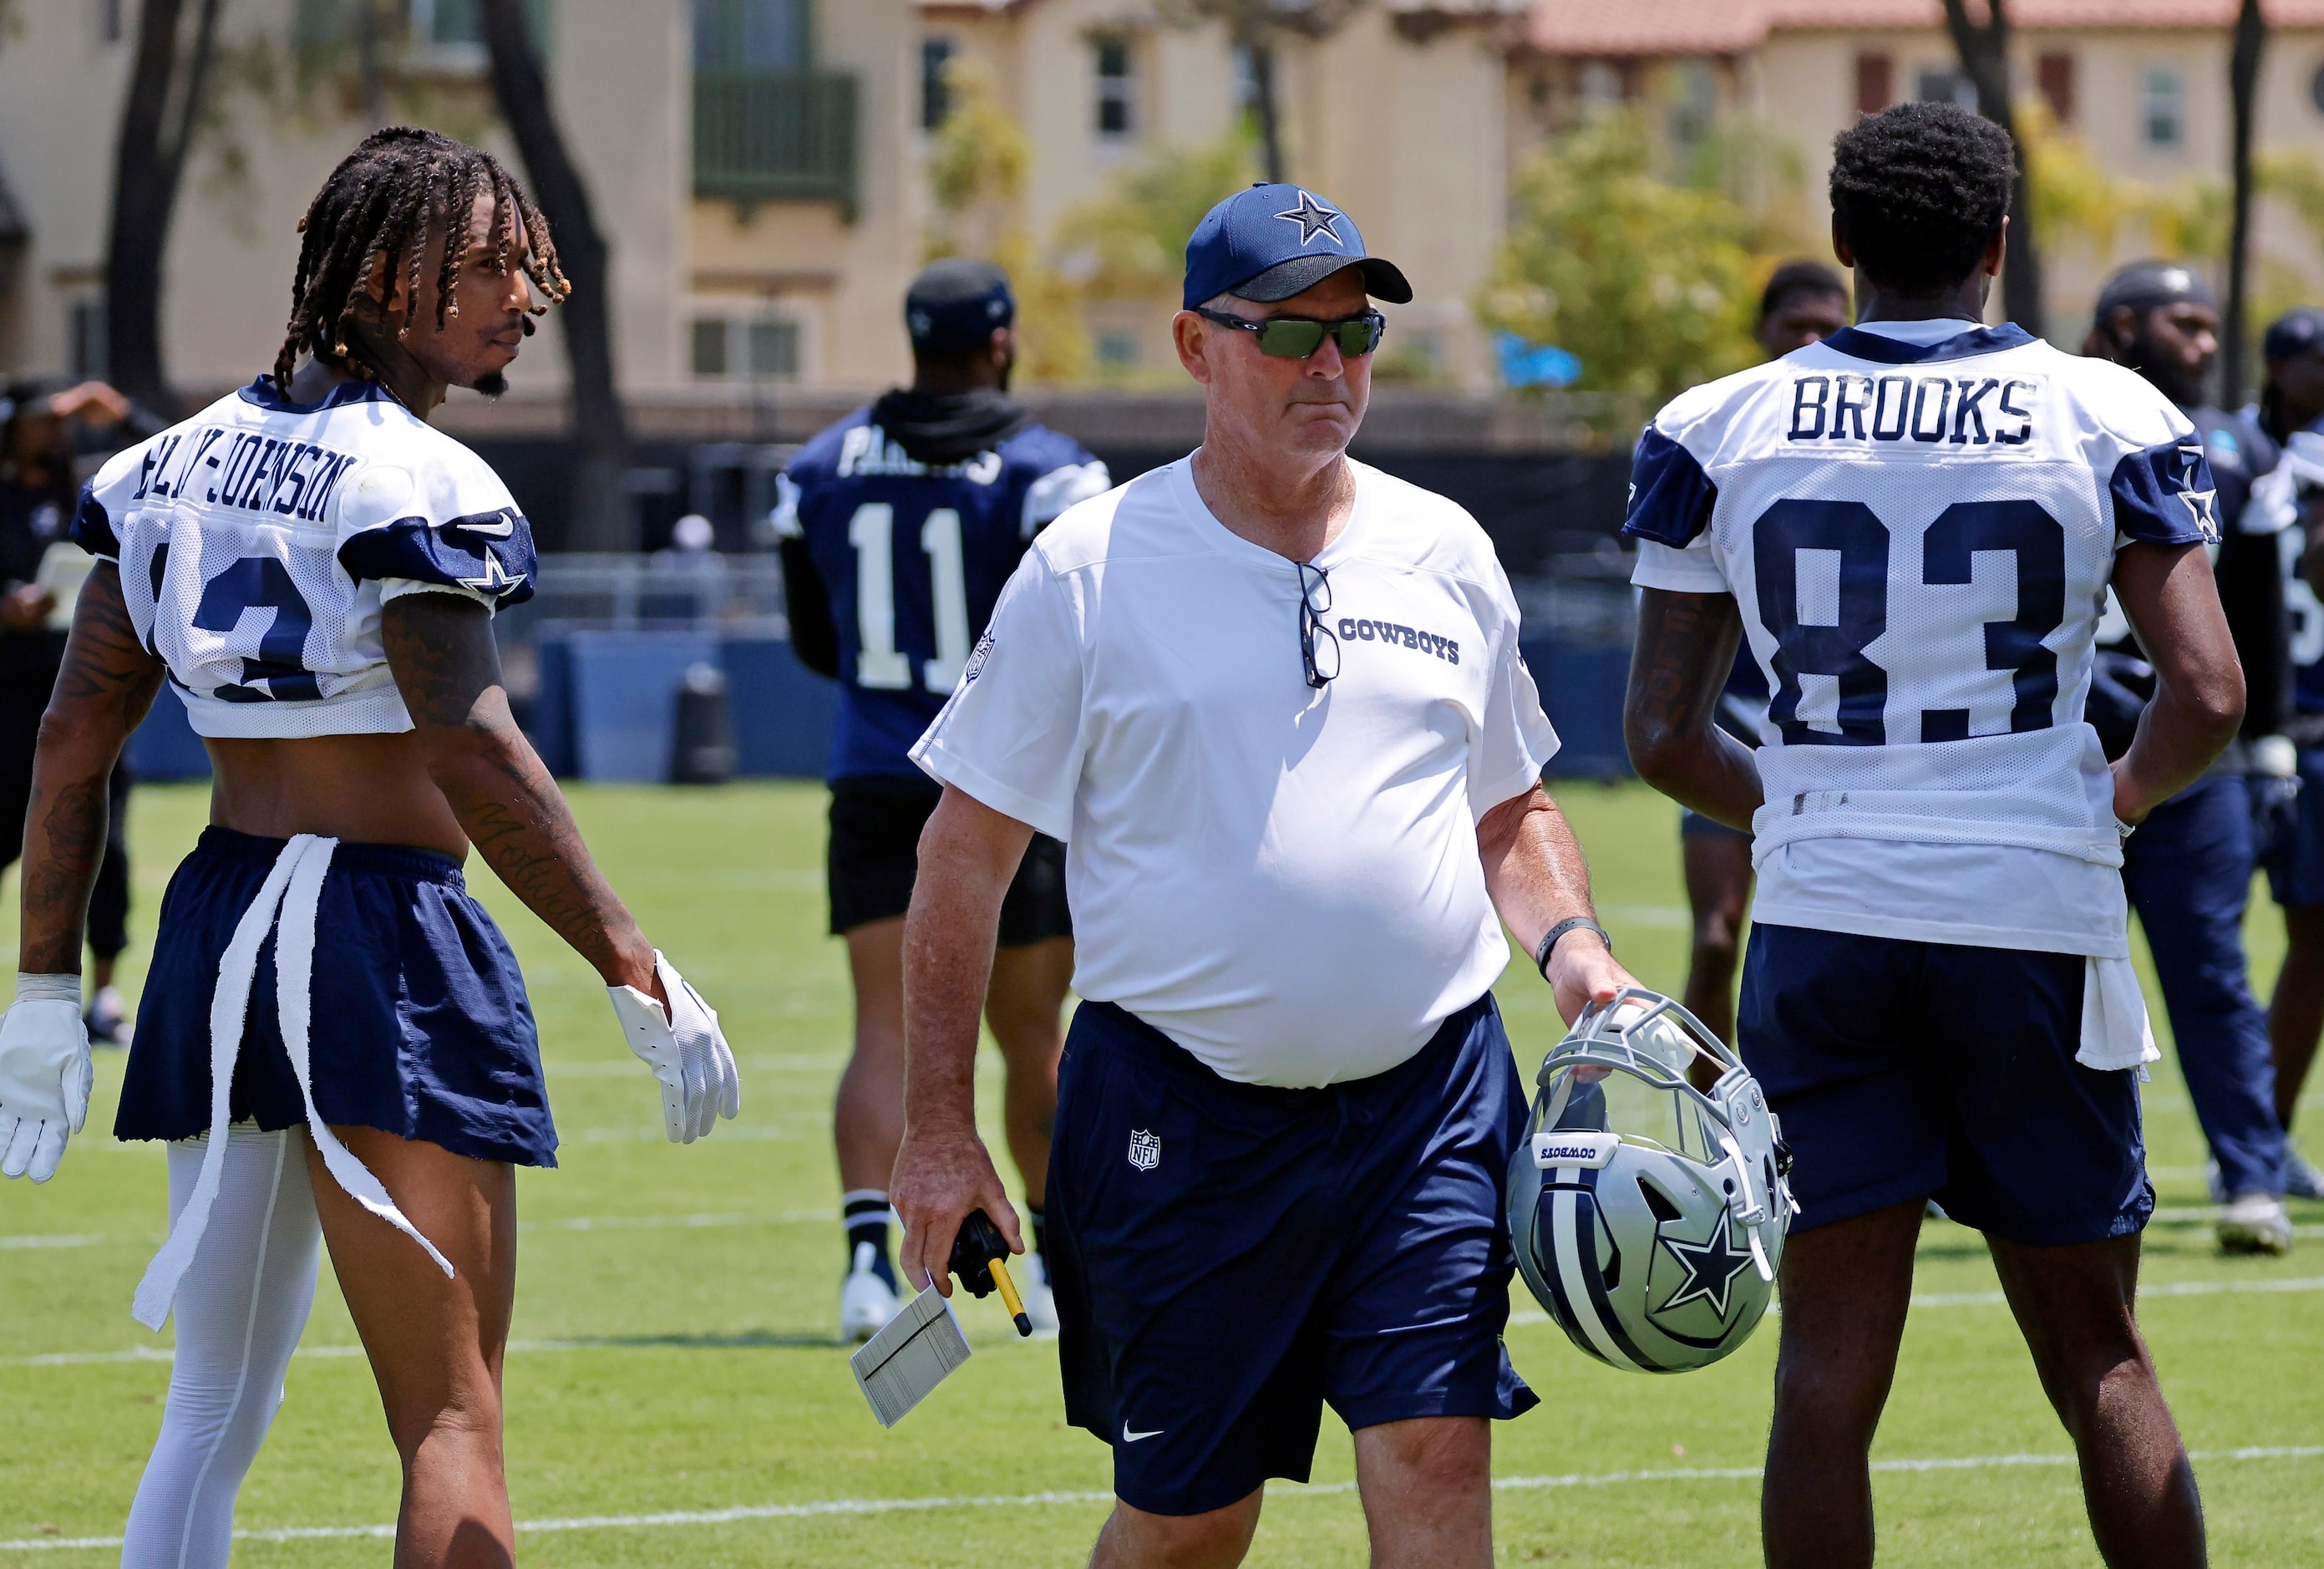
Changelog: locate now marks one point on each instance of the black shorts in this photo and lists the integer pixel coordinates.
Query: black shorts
(875, 852)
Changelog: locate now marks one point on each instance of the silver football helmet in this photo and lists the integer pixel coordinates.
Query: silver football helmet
(1649, 1215)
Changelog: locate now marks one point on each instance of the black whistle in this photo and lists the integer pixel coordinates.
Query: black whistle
(980, 1256)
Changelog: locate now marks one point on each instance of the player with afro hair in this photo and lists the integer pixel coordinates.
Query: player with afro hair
(1919, 192)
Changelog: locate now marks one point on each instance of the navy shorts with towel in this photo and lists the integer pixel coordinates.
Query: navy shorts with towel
(1909, 1070)
(1228, 1257)
(422, 1029)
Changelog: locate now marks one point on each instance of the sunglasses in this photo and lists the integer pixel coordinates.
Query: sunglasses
(1297, 337)
(1319, 651)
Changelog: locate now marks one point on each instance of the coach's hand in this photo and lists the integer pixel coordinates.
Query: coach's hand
(942, 1172)
(1582, 970)
(686, 1050)
(45, 1075)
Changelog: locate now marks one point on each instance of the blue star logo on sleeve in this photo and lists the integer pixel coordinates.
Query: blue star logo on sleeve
(1313, 218)
(495, 580)
(1711, 1269)
(2203, 503)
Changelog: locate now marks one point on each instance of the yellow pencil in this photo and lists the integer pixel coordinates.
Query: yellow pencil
(1008, 1295)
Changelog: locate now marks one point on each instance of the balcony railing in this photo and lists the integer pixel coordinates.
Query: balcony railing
(775, 136)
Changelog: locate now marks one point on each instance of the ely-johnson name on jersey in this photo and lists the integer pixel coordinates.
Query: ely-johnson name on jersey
(1919, 537)
(257, 540)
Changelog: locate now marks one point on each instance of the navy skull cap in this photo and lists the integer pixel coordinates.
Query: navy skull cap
(2294, 333)
(956, 304)
(1271, 242)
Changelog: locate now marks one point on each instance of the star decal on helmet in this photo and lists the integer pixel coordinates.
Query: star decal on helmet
(1313, 218)
(1711, 1269)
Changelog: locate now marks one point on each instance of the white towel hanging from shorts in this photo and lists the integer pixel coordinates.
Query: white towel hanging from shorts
(2116, 1033)
(294, 890)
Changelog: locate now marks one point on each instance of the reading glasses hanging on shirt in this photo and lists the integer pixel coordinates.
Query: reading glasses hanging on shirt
(1319, 650)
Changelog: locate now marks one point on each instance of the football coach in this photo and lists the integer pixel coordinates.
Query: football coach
(1271, 700)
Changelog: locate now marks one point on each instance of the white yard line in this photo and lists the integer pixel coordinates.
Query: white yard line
(1045, 1499)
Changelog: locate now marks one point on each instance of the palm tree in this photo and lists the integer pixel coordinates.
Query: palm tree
(1984, 50)
(601, 516)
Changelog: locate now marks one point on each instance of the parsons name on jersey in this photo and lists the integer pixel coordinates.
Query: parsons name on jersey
(912, 556)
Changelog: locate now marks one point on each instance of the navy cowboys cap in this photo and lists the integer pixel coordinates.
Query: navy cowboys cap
(1273, 241)
(956, 304)
(2296, 332)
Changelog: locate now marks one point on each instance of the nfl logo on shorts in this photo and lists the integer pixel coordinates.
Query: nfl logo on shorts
(1145, 1149)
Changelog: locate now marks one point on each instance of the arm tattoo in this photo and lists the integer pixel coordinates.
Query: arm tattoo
(1675, 680)
(107, 682)
(441, 652)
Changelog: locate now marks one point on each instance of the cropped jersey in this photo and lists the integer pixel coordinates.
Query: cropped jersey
(912, 556)
(1919, 529)
(258, 541)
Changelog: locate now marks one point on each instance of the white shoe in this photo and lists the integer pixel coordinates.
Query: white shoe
(2256, 1222)
(108, 1019)
(866, 1302)
(1040, 1302)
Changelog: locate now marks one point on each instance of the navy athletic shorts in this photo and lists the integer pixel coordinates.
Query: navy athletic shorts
(1908, 1070)
(875, 855)
(2295, 873)
(420, 1023)
(1228, 1257)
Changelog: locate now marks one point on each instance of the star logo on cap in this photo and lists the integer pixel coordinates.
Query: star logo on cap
(1313, 218)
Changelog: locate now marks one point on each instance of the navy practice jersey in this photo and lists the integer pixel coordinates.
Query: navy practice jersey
(912, 556)
(2289, 492)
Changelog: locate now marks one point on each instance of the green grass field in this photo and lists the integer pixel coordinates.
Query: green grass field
(673, 1394)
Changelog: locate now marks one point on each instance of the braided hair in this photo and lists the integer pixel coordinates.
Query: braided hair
(378, 204)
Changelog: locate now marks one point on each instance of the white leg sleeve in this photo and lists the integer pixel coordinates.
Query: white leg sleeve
(240, 1310)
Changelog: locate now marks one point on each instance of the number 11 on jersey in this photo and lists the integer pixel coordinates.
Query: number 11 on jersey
(880, 664)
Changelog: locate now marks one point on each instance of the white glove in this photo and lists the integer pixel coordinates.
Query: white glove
(688, 1054)
(45, 1074)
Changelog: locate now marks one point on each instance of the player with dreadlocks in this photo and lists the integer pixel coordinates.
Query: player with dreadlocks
(316, 570)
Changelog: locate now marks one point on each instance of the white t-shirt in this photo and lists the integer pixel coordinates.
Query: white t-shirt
(1284, 880)
(1918, 521)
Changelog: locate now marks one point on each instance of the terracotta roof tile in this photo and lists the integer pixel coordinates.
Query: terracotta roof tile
(1630, 27)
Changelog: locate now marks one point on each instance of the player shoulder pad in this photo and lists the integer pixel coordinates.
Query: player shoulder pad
(1060, 473)
(104, 501)
(1671, 489)
(433, 512)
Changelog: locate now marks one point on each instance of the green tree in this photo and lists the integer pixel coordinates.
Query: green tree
(976, 168)
(1648, 280)
(1130, 242)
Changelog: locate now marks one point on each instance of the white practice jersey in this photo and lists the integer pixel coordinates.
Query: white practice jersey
(258, 541)
(1918, 526)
